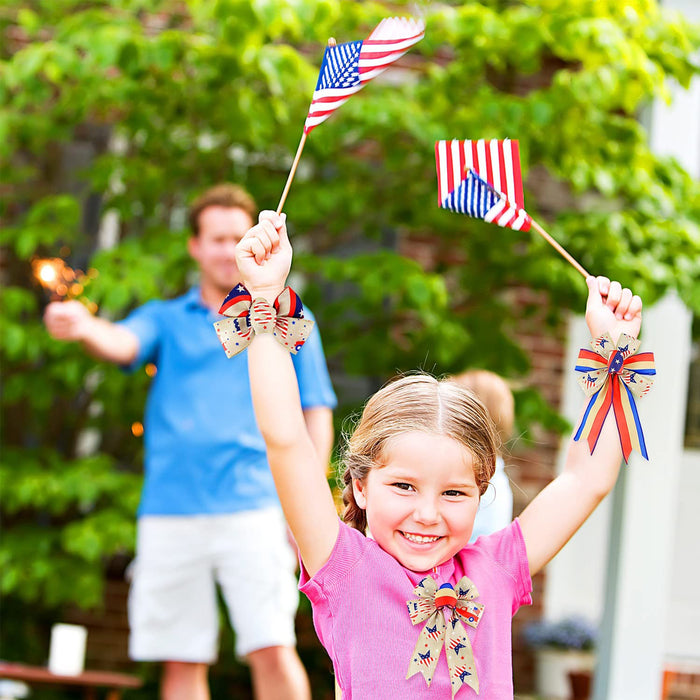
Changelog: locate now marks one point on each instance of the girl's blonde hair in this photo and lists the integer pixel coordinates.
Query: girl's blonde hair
(417, 402)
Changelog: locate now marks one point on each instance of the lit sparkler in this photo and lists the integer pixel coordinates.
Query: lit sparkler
(61, 281)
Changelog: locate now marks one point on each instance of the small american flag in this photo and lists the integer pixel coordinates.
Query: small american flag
(347, 67)
(482, 179)
(496, 161)
(475, 197)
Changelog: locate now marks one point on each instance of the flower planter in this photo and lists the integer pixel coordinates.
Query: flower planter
(581, 683)
(553, 667)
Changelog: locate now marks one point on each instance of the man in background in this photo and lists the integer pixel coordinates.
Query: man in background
(209, 513)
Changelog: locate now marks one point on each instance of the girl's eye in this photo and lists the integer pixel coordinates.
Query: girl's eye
(454, 492)
(403, 486)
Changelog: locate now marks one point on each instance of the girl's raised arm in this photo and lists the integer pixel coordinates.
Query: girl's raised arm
(264, 257)
(560, 509)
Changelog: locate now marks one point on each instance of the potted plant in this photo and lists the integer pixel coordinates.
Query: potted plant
(561, 647)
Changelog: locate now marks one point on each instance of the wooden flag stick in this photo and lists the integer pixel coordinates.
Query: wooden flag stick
(331, 42)
(562, 251)
(302, 141)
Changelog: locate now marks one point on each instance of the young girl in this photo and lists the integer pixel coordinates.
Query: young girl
(405, 607)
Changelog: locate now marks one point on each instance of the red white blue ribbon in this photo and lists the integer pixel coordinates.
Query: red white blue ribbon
(246, 317)
(430, 605)
(613, 375)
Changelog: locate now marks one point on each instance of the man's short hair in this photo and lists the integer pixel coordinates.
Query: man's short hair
(224, 195)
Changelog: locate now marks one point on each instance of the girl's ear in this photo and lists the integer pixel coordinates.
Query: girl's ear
(359, 490)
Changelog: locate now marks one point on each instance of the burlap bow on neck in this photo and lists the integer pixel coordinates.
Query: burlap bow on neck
(612, 375)
(285, 320)
(458, 649)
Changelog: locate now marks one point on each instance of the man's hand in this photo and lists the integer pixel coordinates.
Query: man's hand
(67, 320)
(264, 256)
(611, 308)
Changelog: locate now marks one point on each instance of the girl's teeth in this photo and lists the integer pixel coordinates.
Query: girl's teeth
(420, 539)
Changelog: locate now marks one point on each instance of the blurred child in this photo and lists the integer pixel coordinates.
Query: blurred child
(207, 484)
(496, 505)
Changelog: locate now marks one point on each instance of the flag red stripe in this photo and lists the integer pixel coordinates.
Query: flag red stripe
(450, 180)
(493, 214)
(379, 42)
(438, 163)
(502, 170)
(325, 109)
(512, 219)
(517, 175)
(475, 156)
(489, 165)
(366, 73)
(376, 55)
(319, 114)
(328, 100)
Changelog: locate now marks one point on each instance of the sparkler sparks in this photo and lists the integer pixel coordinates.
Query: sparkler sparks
(62, 281)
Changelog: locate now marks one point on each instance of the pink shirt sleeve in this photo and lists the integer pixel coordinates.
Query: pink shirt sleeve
(506, 549)
(331, 580)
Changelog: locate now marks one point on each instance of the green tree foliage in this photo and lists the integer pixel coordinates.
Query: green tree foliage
(127, 108)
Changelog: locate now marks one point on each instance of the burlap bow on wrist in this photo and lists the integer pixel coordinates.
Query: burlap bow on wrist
(612, 375)
(458, 649)
(246, 317)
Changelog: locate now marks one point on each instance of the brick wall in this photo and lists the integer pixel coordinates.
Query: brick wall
(534, 464)
(108, 629)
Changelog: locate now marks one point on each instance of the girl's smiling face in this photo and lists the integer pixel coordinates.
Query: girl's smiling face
(421, 500)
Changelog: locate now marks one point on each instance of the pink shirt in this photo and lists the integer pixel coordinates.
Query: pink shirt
(359, 607)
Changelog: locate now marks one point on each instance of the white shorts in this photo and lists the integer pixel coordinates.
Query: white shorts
(173, 613)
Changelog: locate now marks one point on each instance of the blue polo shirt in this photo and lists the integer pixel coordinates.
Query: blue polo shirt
(204, 453)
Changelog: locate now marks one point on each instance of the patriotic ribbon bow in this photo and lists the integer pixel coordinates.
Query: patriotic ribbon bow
(245, 317)
(612, 375)
(458, 649)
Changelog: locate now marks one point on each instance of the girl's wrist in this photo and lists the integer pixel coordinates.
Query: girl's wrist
(268, 293)
(269, 309)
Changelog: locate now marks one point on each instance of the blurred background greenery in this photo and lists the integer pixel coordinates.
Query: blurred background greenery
(115, 113)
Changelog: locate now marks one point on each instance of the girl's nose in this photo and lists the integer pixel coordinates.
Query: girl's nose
(426, 511)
